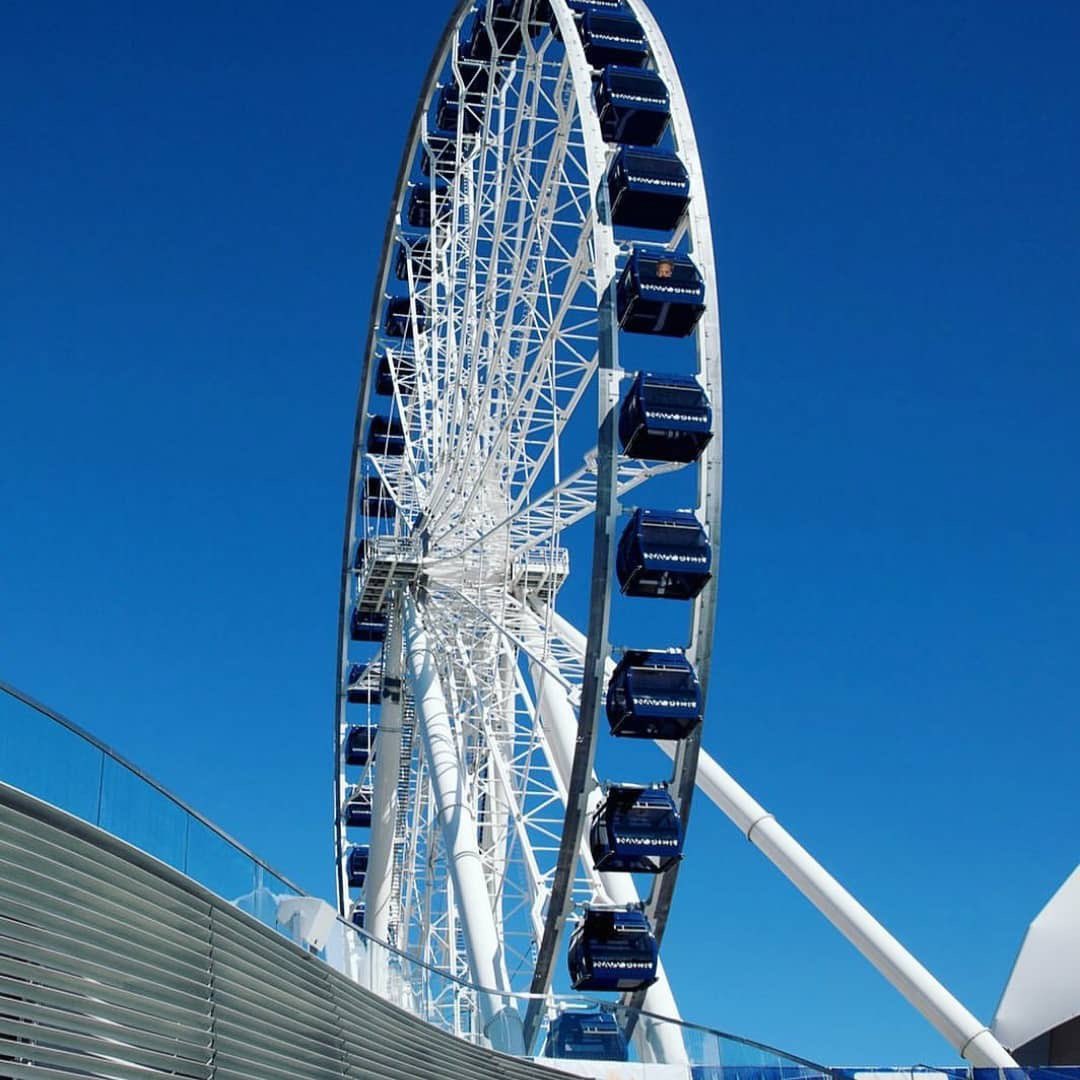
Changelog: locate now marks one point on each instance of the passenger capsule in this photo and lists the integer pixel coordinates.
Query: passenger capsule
(576, 1035)
(448, 109)
(613, 37)
(665, 418)
(424, 200)
(473, 71)
(505, 29)
(636, 830)
(413, 254)
(654, 695)
(357, 864)
(362, 688)
(634, 106)
(367, 626)
(439, 155)
(358, 559)
(612, 950)
(398, 321)
(358, 809)
(384, 377)
(378, 502)
(360, 745)
(386, 436)
(579, 7)
(648, 189)
(660, 293)
(664, 555)
(356, 916)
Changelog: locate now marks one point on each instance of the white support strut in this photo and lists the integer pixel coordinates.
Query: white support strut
(972, 1039)
(379, 882)
(457, 821)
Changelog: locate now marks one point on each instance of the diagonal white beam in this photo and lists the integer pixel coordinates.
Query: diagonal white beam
(971, 1038)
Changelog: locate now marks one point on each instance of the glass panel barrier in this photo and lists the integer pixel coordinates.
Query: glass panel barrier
(48, 757)
(140, 814)
(46, 760)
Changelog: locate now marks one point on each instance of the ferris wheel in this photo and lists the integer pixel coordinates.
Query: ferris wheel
(544, 341)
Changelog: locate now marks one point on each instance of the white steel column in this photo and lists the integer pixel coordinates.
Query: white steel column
(457, 822)
(970, 1038)
(659, 1042)
(378, 886)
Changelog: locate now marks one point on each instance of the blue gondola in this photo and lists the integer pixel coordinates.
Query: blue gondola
(360, 691)
(439, 155)
(386, 436)
(384, 377)
(357, 864)
(586, 1036)
(665, 418)
(581, 6)
(612, 950)
(474, 72)
(577, 7)
(648, 189)
(634, 106)
(660, 293)
(663, 554)
(505, 29)
(360, 745)
(367, 626)
(636, 830)
(378, 502)
(398, 320)
(418, 213)
(356, 916)
(613, 37)
(413, 253)
(358, 559)
(654, 695)
(358, 809)
(448, 109)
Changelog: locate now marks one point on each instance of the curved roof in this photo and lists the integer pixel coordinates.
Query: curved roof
(1043, 990)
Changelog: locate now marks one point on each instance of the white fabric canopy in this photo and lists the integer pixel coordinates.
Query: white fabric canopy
(1043, 990)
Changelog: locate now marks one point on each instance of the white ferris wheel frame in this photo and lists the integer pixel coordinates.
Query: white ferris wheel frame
(424, 856)
(568, 682)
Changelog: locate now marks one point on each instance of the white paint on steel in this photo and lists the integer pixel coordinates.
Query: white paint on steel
(971, 1038)
(379, 896)
(455, 818)
(1043, 990)
(487, 386)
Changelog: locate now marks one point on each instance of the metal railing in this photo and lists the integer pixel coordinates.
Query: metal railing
(50, 758)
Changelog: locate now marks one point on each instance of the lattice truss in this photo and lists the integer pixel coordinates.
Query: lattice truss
(500, 354)
(502, 349)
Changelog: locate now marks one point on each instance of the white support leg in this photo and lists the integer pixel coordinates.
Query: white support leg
(378, 888)
(457, 822)
(970, 1038)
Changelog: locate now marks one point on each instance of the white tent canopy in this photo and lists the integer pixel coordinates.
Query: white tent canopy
(1043, 990)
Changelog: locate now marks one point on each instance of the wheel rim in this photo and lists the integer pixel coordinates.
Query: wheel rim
(510, 345)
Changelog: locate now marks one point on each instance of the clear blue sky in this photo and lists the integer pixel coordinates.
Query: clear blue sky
(191, 206)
